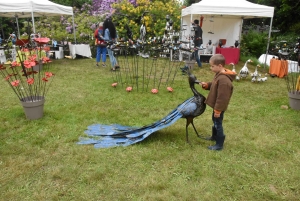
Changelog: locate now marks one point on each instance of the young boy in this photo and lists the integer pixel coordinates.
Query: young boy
(218, 98)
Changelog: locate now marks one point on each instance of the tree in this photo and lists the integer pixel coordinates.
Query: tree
(285, 14)
(61, 28)
(155, 18)
(73, 3)
(190, 2)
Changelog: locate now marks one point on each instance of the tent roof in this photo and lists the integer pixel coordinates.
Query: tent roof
(229, 8)
(24, 8)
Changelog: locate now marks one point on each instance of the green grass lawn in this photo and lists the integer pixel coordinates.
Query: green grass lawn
(40, 160)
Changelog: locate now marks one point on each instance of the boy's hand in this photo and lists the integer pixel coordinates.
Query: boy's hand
(203, 84)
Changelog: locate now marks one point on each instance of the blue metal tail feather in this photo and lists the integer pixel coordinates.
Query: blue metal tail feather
(105, 136)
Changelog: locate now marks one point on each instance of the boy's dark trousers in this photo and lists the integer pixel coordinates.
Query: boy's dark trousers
(217, 132)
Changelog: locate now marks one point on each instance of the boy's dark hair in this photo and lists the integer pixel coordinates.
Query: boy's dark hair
(196, 21)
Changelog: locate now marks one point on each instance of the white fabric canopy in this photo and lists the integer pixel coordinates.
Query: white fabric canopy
(24, 8)
(33, 8)
(229, 8)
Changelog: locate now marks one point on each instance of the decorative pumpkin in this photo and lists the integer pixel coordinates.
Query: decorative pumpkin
(129, 89)
(154, 91)
(114, 84)
(170, 89)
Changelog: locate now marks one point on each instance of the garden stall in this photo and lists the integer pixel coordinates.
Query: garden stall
(222, 19)
(33, 8)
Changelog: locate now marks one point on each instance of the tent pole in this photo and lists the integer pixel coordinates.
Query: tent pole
(32, 17)
(241, 30)
(18, 26)
(2, 31)
(190, 35)
(74, 28)
(270, 30)
(181, 28)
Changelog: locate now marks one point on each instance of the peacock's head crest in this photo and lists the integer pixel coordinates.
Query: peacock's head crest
(192, 78)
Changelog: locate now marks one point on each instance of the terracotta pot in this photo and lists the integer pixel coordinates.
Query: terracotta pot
(33, 107)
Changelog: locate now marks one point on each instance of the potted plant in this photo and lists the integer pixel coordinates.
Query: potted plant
(29, 76)
(293, 86)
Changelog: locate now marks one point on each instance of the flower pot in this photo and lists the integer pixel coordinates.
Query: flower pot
(38, 67)
(294, 99)
(33, 107)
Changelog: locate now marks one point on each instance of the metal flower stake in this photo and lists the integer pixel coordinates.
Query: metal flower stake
(29, 76)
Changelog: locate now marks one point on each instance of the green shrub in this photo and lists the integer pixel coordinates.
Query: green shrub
(254, 43)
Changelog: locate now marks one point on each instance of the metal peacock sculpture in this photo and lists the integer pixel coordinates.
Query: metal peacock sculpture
(104, 136)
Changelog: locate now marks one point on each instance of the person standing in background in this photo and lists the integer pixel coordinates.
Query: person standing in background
(110, 35)
(197, 41)
(13, 38)
(101, 45)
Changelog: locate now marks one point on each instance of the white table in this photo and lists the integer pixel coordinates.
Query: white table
(2, 57)
(262, 58)
(80, 49)
(293, 66)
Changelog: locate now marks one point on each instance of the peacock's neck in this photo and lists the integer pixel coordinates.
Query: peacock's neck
(195, 92)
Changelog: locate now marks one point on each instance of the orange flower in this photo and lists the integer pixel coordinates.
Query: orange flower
(15, 83)
(30, 80)
(170, 89)
(42, 41)
(15, 63)
(154, 91)
(45, 79)
(32, 57)
(48, 74)
(25, 49)
(28, 64)
(46, 60)
(47, 48)
(7, 77)
(129, 89)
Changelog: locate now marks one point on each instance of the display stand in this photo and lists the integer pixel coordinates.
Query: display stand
(2, 56)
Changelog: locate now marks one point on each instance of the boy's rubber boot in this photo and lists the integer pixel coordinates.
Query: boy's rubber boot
(219, 143)
(213, 134)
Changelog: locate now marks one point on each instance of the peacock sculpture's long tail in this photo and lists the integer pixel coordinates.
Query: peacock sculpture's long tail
(104, 136)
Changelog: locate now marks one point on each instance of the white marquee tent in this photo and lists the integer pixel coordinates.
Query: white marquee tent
(223, 18)
(33, 8)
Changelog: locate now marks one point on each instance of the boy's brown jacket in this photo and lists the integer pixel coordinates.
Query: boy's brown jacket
(221, 89)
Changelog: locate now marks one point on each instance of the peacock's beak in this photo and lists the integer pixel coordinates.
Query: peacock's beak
(197, 82)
